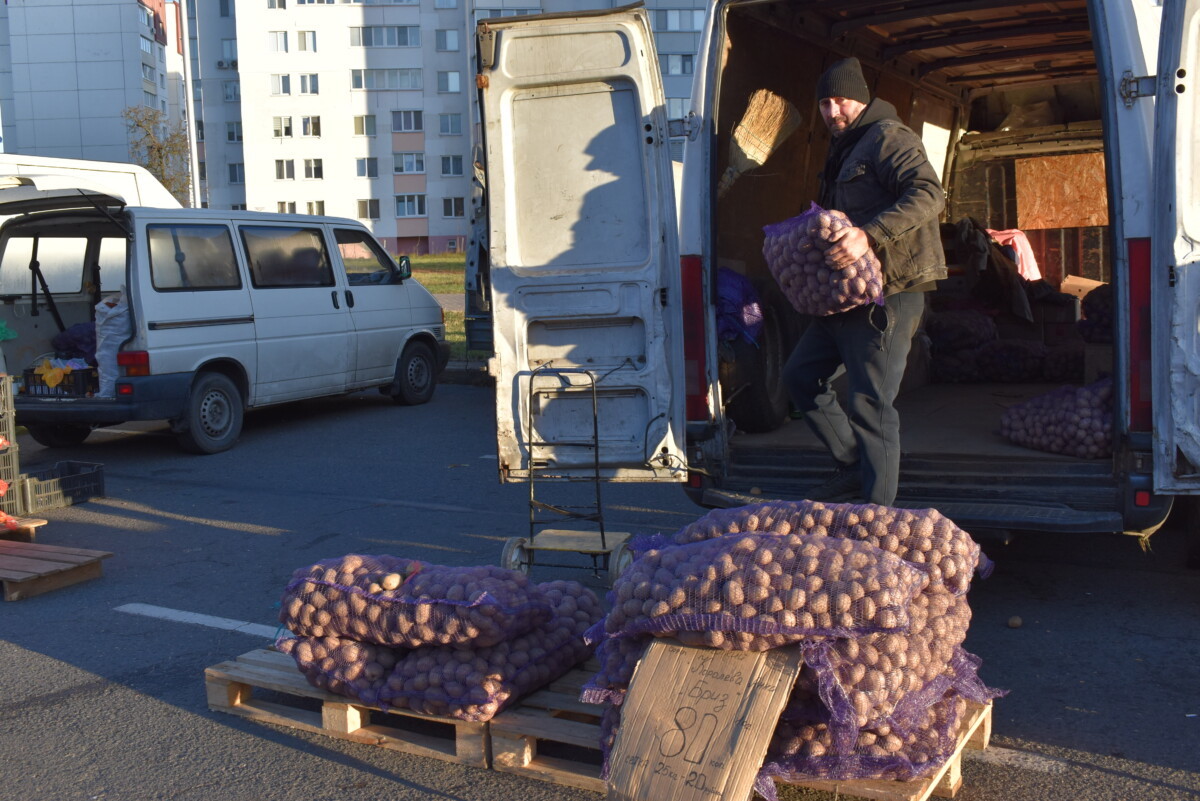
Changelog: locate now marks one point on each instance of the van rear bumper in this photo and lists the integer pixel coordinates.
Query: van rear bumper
(154, 397)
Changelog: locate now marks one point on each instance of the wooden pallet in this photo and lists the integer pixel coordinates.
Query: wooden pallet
(974, 733)
(552, 714)
(28, 569)
(23, 530)
(230, 687)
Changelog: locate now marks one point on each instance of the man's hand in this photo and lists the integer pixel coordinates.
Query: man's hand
(850, 245)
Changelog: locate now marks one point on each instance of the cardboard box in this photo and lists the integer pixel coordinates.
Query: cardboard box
(1097, 361)
(696, 722)
(1078, 286)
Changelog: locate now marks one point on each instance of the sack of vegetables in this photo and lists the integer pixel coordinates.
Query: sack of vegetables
(406, 603)
(1076, 421)
(795, 254)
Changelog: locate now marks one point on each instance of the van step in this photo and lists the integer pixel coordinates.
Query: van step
(971, 514)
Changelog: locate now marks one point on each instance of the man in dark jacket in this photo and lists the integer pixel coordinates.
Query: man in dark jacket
(876, 173)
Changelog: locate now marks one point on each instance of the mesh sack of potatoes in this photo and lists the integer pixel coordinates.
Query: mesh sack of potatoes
(795, 253)
(922, 537)
(956, 366)
(1076, 421)
(618, 656)
(473, 684)
(761, 591)
(387, 600)
(1063, 363)
(1097, 323)
(341, 665)
(959, 329)
(1011, 360)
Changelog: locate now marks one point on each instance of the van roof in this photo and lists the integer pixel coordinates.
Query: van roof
(242, 216)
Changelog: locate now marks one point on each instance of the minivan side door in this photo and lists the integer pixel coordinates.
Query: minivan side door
(305, 345)
(379, 305)
(1175, 258)
(583, 248)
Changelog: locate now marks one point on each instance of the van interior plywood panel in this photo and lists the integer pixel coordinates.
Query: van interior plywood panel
(1061, 191)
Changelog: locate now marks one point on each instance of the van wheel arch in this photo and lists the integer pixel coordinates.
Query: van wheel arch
(212, 419)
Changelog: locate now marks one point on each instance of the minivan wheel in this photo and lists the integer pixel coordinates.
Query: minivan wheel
(58, 435)
(213, 420)
(416, 375)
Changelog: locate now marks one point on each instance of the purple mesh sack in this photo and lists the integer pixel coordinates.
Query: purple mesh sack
(1011, 360)
(920, 536)
(467, 684)
(618, 656)
(406, 603)
(1076, 421)
(1097, 322)
(1063, 363)
(759, 591)
(795, 253)
(959, 329)
(956, 366)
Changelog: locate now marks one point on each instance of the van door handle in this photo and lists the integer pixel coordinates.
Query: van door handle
(349, 299)
(333, 295)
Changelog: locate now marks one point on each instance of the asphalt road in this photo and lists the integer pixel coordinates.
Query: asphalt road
(98, 703)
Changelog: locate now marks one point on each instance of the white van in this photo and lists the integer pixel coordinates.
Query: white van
(226, 310)
(589, 269)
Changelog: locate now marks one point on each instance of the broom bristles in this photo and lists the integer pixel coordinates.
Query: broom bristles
(769, 119)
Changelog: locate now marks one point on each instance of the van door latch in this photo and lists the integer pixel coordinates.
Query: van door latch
(1134, 87)
(689, 126)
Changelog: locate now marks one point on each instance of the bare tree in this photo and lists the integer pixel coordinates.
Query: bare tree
(161, 148)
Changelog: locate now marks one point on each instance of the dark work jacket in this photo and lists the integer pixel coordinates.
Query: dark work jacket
(886, 186)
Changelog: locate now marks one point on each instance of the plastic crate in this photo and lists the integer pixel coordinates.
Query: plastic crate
(62, 485)
(13, 501)
(10, 463)
(7, 406)
(75, 384)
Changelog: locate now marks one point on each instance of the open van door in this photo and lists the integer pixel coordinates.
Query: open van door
(583, 248)
(1176, 253)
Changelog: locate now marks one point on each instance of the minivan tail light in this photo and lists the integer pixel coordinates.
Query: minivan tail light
(135, 362)
(694, 343)
(1141, 415)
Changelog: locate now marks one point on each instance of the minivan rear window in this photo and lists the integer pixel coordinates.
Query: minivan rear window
(60, 258)
(192, 257)
(286, 257)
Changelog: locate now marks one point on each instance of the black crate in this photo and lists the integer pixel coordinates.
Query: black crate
(62, 485)
(75, 384)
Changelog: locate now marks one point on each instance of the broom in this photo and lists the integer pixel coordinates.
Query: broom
(769, 119)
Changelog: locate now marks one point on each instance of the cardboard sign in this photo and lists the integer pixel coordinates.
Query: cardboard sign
(696, 722)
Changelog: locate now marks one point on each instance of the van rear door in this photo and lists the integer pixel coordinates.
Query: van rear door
(1176, 254)
(583, 248)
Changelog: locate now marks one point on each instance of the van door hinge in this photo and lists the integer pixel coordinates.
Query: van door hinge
(487, 47)
(1134, 87)
(689, 126)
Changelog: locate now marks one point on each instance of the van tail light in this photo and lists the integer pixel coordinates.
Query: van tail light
(135, 362)
(1141, 416)
(694, 342)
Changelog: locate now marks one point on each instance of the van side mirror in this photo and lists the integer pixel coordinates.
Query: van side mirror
(405, 267)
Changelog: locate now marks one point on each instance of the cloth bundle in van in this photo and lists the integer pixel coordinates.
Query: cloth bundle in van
(795, 253)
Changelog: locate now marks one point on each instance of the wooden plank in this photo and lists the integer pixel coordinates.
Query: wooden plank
(49, 552)
(561, 702)
(559, 771)
(542, 724)
(24, 530)
(28, 588)
(553, 539)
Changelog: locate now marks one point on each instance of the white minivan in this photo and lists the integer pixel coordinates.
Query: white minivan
(589, 269)
(225, 311)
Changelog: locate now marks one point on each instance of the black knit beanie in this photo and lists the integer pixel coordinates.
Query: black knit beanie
(844, 79)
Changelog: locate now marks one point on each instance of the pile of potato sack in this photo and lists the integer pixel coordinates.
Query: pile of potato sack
(874, 596)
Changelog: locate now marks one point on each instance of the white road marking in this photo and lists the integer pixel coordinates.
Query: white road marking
(1020, 760)
(179, 616)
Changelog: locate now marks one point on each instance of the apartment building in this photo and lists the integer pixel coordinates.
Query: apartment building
(68, 68)
(365, 109)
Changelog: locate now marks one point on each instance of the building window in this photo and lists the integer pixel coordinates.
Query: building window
(281, 84)
(452, 165)
(237, 173)
(386, 36)
(407, 121)
(445, 3)
(449, 82)
(408, 162)
(310, 126)
(447, 40)
(149, 100)
(453, 207)
(147, 46)
(199, 130)
(225, 5)
(282, 127)
(315, 206)
(306, 40)
(450, 124)
(368, 209)
(232, 90)
(229, 49)
(678, 19)
(364, 125)
(313, 169)
(410, 205)
(285, 170)
(677, 65)
(232, 206)
(203, 170)
(367, 167)
(148, 73)
(286, 207)
(278, 41)
(677, 107)
(309, 84)
(385, 79)
(276, 3)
